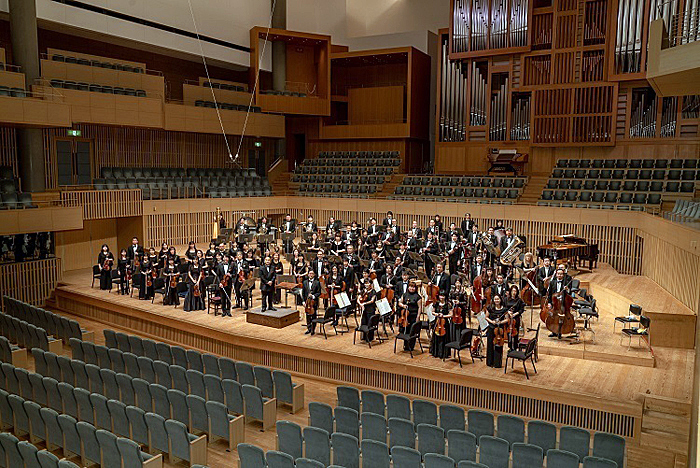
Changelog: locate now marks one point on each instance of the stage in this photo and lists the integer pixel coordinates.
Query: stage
(600, 384)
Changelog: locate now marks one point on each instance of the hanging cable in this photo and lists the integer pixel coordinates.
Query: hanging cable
(255, 85)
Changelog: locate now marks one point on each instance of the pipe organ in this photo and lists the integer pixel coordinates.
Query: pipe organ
(560, 72)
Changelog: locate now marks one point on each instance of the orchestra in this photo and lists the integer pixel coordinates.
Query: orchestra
(439, 280)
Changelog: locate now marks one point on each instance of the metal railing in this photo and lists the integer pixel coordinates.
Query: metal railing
(101, 64)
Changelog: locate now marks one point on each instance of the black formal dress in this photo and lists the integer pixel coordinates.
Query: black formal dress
(437, 343)
(516, 307)
(412, 300)
(369, 311)
(123, 266)
(146, 291)
(494, 354)
(192, 301)
(106, 263)
(171, 297)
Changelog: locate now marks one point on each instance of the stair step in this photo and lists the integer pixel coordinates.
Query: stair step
(664, 441)
(664, 422)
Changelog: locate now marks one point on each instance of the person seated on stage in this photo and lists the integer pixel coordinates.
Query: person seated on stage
(500, 288)
(366, 302)
(441, 279)
(310, 225)
(376, 265)
(191, 252)
(105, 260)
(172, 279)
(497, 318)
(226, 275)
(311, 292)
(558, 285)
(411, 300)
(440, 337)
(240, 271)
(267, 284)
(373, 231)
(338, 247)
(279, 270)
(196, 290)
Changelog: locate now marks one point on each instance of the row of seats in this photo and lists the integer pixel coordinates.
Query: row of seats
(23, 453)
(359, 154)
(628, 163)
(226, 106)
(627, 185)
(272, 92)
(171, 172)
(224, 86)
(238, 192)
(61, 327)
(163, 182)
(601, 206)
(344, 179)
(685, 210)
(352, 161)
(586, 196)
(344, 170)
(466, 181)
(334, 194)
(61, 414)
(447, 192)
(277, 384)
(97, 88)
(335, 188)
(96, 63)
(13, 92)
(10, 196)
(626, 174)
(24, 334)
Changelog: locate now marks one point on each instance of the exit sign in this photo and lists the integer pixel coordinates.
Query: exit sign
(258, 144)
(74, 133)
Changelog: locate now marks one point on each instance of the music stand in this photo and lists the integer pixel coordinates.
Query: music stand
(265, 238)
(309, 256)
(306, 235)
(435, 259)
(245, 238)
(415, 257)
(287, 279)
(364, 263)
(334, 259)
(287, 237)
(422, 276)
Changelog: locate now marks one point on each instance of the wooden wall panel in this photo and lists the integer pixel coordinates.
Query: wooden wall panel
(31, 282)
(11, 79)
(376, 105)
(103, 204)
(192, 93)
(78, 249)
(8, 148)
(46, 218)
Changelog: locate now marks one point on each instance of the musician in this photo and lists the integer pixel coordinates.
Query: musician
(433, 229)
(332, 227)
(172, 255)
(543, 273)
(194, 300)
(509, 237)
(210, 254)
(416, 231)
(347, 273)
(288, 226)
(398, 266)
(367, 303)
(387, 240)
(147, 289)
(335, 284)
(222, 222)
(314, 244)
(373, 231)
(364, 245)
(472, 236)
(267, 284)
(300, 270)
(478, 268)
(264, 227)
(355, 230)
(389, 218)
(401, 286)
(375, 264)
(310, 225)
(467, 223)
(411, 300)
(319, 265)
(430, 248)
(438, 223)
(172, 277)
(388, 279)
(403, 256)
(438, 340)
(558, 285)
(241, 228)
(239, 271)
(441, 279)
(253, 263)
(224, 273)
(353, 259)
(135, 250)
(490, 257)
(454, 251)
(515, 307)
(527, 265)
(105, 260)
(311, 289)
(154, 259)
(348, 237)
(496, 316)
(459, 297)
(395, 229)
(279, 270)
(338, 247)
(125, 271)
(499, 288)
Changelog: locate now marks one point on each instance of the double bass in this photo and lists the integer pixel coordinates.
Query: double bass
(476, 295)
(557, 317)
(528, 293)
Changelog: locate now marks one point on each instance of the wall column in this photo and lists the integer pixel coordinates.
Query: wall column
(25, 53)
(279, 63)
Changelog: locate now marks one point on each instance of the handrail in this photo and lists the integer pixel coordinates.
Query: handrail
(146, 71)
(9, 67)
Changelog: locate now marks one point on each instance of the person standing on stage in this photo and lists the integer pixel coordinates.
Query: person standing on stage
(412, 301)
(125, 271)
(105, 260)
(367, 301)
(225, 273)
(267, 284)
(311, 290)
(496, 316)
(195, 286)
(240, 272)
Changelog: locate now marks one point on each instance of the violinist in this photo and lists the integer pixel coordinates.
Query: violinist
(454, 250)
(497, 318)
(210, 254)
(459, 298)
(412, 242)
(201, 261)
(430, 248)
(364, 247)
(172, 278)
(135, 250)
(311, 292)
(194, 300)
(411, 301)
(332, 228)
(367, 303)
(155, 261)
(319, 265)
(441, 279)
(147, 288)
(441, 328)
(300, 271)
(163, 256)
(172, 255)
(516, 307)
(279, 270)
(398, 266)
(224, 273)
(267, 284)
(402, 284)
(105, 260)
(335, 284)
(375, 264)
(125, 271)
(191, 252)
(402, 255)
(388, 279)
(239, 271)
(395, 230)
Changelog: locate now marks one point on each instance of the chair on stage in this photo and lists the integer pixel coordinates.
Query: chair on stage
(522, 355)
(464, 342)
(96, 273)
(525, 341)
(328, 317)
(642, 332)
(371, 327)
(413, 334)
(635, 313)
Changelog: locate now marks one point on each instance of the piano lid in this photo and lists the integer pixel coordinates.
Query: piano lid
(569, 239)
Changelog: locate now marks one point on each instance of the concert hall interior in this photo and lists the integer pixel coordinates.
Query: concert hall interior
(344, 233)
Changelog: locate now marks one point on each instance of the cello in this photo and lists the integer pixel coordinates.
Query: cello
(476, 295)
(528, 293)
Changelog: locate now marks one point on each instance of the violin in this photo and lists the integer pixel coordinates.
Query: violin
(512, 328)
(309, 305)
(457, 317)
(196, 290)
(174, 280)
(499, 335)
(440, 329)
(431, 291)
(403, 317)
(225, 281)
(107, 264)
(149, 279)
(476, 295)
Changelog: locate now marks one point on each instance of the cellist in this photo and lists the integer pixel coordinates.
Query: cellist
(558, 285)
(410, 304)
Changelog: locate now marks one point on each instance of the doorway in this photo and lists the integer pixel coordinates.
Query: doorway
(74, 161)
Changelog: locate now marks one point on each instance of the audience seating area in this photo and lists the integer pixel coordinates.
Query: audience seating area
(685, 211)
(619, 183)
(346, 174)
(272, 92)
(13, 92)
(96, 88)
(96, 63)
(226, 106)
(477, 189)
(368, 426)
(224, 86)
(54, 324)
(163, 183)
(10, 196)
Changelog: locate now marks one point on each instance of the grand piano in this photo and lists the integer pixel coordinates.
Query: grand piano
(569, 247)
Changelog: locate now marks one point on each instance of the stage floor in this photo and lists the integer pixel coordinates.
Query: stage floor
(601, 369)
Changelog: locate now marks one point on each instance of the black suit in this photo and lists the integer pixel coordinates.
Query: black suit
(475, 271)
(443, 282)
(376, 265)
(505, 241)
(313, 289)
(417, 233)
(225, 292)
(288, 226)
(466, 226)
(373, 233)
(130, 252)
(267, 275)
(315, 267)
(348, 275)
(244, 296)
(500, 289)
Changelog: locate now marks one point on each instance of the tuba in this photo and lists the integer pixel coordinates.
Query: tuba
(512, 252)
(486, 242)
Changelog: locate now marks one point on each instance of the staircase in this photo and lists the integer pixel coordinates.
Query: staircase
(533, 189)
(390, 185)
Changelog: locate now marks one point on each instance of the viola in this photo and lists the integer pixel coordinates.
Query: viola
(440, 329)
(174, 280)
(499, 335)
(403, 317)
(457, 317)
(107, 265)
(225, 281)
(309, 306)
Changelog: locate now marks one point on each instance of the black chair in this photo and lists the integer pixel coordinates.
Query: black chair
(522, 355)
(642, 332)
(633, 317)
(524, 342)
(328, 317)
(464, 342)
(181, 290)
(365, 329)
(117, 280)
(158, 288)
(95, 274)
(137, 282)
(588, 313)
(413, 334)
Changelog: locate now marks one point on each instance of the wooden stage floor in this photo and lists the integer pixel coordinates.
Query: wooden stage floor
(600, 369)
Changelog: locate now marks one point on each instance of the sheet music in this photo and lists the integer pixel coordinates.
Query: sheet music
(429, 311)
(383, 307)
(375, 285)
(342, 299)
(481, 318)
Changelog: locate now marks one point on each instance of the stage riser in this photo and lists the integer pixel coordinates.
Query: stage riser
(524, 403)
